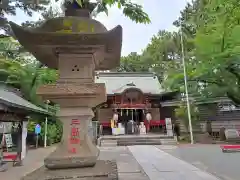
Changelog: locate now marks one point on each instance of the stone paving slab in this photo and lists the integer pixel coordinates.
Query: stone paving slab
(159, 165)
(128, 167)
(33, 161)
(132, 176)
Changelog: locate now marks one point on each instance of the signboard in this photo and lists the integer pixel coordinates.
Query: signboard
(232, 134)
(8, 140)
(169, 127)
(6, 127)
(228, 107)
(37, 129)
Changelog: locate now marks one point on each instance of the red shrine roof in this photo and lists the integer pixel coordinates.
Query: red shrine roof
(118, 82)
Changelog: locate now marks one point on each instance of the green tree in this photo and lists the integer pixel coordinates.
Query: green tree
(132, 63)
(188, 22)
(23, 72)
(217, 48)
(161, 56)
(211, 49)
(181, 113)
(162, 53)
(132, 10)
(9, 8)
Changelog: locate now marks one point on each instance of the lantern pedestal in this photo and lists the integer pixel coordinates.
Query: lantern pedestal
(76, 149)
(103, 170)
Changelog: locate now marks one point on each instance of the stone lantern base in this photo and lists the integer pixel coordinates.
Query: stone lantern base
(103, 170)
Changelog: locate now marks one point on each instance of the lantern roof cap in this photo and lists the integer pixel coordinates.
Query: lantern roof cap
(72, 35)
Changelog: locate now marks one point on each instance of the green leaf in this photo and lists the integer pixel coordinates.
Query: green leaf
(79, 2)
(119, 4)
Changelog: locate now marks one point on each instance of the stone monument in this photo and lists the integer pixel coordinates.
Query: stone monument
(77, 46)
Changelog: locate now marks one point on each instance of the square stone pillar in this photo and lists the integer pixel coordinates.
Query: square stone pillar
(76, 68)
(76, 93)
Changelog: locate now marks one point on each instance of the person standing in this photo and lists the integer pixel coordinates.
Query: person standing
(176, 130)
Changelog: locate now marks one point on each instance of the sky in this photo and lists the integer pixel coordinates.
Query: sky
(135, 36)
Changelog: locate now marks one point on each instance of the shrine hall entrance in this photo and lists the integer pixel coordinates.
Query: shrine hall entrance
(126, 115)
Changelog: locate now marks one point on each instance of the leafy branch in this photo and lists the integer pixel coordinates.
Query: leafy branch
(131, 10)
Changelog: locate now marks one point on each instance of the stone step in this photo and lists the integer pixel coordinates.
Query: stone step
(168, 142)
(135, 137)
(108, 143)
(140, 140)
(145, 138)
(122, 141)
(132, 143)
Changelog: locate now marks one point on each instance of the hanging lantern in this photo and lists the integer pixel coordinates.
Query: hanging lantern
(149, 116)
(115, 116)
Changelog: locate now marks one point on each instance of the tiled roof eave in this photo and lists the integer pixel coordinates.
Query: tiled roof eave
(11, 99)
(33, 110)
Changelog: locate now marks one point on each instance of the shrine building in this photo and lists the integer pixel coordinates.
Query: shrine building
(132, 95)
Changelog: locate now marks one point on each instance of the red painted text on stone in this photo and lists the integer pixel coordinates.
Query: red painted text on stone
(73, 150)
(74, 136)
(74, 141)
(75, 132)
(75, 122)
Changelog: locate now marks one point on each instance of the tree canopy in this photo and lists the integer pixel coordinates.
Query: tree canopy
(19, 68)
(211, 47)
(132, 10)
(8, 8)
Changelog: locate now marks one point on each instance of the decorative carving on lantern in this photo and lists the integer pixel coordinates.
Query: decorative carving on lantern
(149, 116)
(115, 116)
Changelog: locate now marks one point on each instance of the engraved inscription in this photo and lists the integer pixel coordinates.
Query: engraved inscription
(81, 27)
(74, 136)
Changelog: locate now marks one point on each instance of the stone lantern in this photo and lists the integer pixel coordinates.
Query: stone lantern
(77, 46)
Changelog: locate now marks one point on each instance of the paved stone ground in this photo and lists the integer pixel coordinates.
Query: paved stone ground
(157, 164)
(160, 165)
(128, 167)
(33, 161)
(210, 158)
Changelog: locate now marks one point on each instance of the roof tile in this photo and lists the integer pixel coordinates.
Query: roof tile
(118, 82)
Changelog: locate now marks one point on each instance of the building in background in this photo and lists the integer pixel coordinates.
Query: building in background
(220, 111)
(132, 96)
